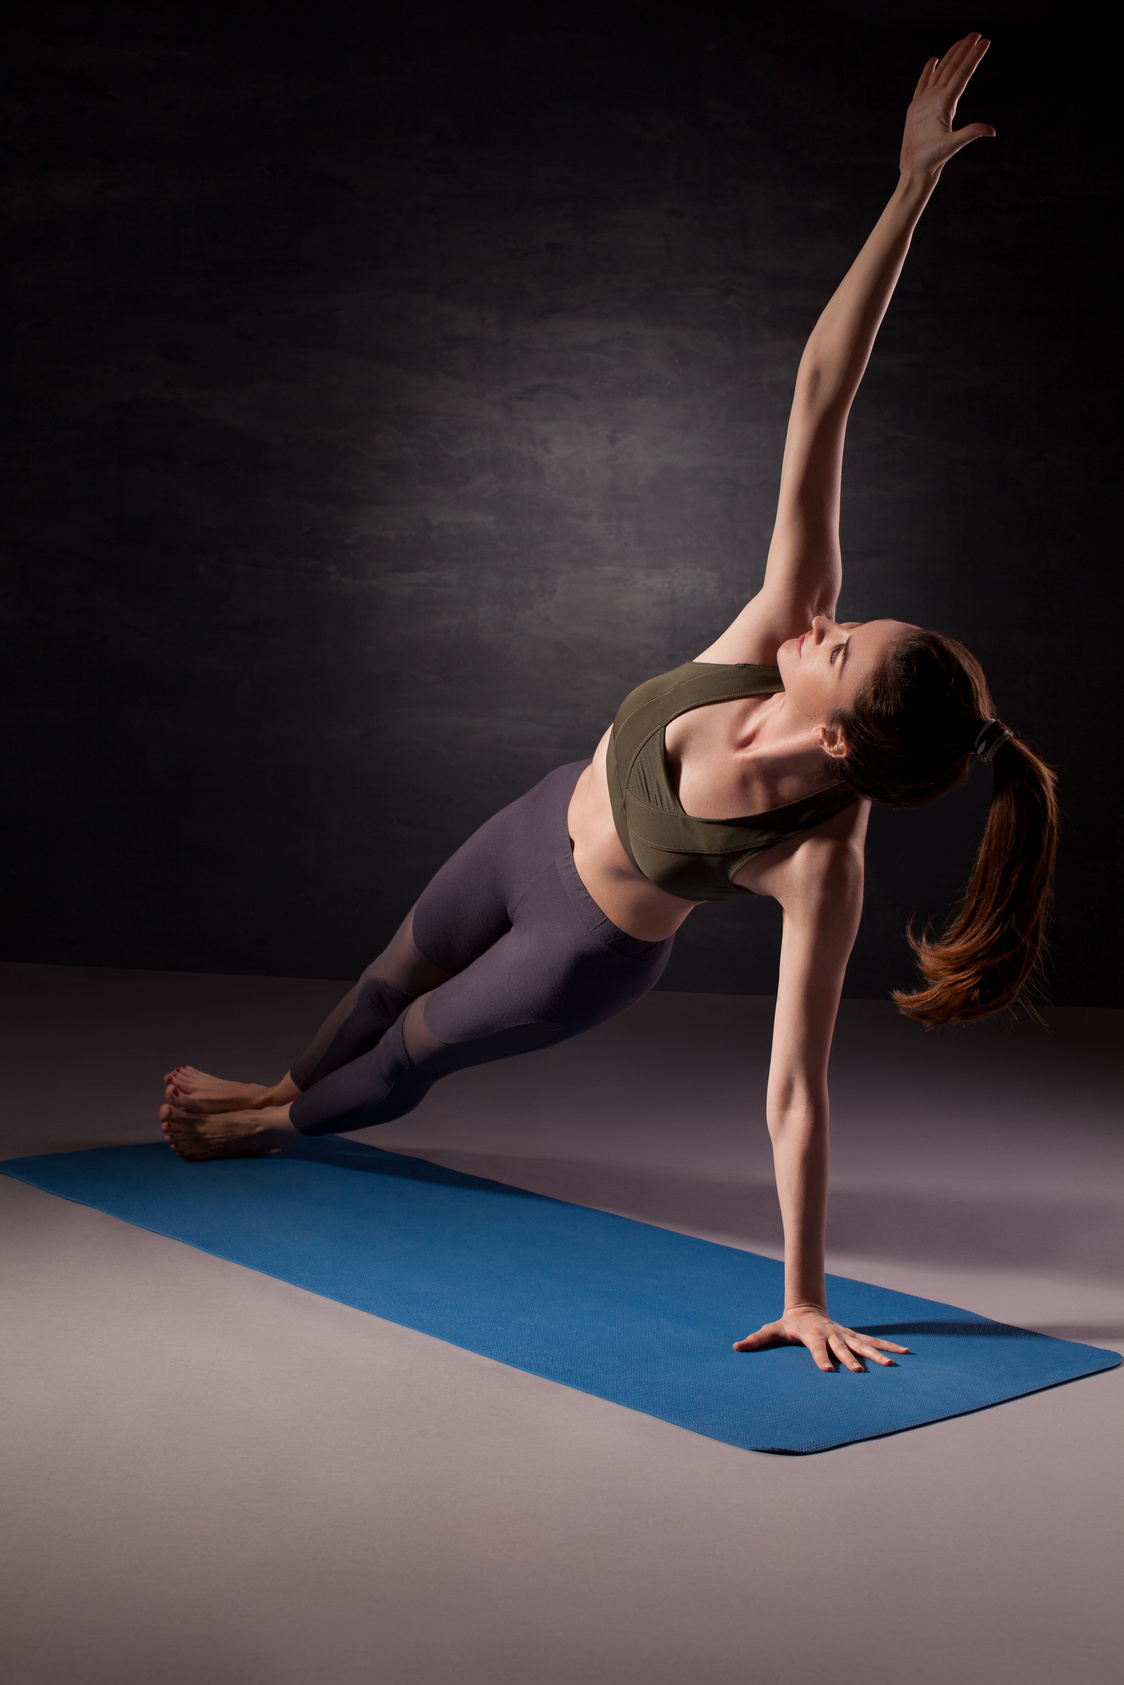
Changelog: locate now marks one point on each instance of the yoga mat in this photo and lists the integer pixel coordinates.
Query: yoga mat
(631, 1313)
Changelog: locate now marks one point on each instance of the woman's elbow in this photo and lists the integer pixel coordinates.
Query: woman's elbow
(796, 1107)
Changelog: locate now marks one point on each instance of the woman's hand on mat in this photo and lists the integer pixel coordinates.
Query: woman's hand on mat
(829, 1342)
(930, 139)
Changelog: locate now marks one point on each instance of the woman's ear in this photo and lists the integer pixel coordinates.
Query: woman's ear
(832, 741)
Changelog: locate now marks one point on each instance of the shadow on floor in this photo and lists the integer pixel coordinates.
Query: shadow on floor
(1080, 1238)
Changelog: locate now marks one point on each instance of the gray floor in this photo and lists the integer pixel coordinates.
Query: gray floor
(215, 1477)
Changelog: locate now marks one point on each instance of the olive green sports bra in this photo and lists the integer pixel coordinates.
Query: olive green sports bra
(695, 858)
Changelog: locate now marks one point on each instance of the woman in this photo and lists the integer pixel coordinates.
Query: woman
(561, 910)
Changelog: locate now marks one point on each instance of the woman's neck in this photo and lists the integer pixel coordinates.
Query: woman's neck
(781, 743)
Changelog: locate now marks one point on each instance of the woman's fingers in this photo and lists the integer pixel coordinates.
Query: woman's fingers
(817, 1345)
(958, 139)
(872, 1350)
(953, 72)
(925, 78)
(947, 64)
(957, 61)
(961, 73)
(868, 1346)
(972, 131)
(843, 1352)
(965, 74)
(770, 1335)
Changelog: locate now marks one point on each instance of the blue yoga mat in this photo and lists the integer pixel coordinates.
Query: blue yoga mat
(628, 1312)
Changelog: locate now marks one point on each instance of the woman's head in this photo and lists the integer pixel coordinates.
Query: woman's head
(906, 735)
(910, 727)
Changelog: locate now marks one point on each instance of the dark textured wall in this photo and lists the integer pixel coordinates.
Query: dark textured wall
(401, 384)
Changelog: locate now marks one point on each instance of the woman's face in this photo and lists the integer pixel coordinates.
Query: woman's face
(824, 668)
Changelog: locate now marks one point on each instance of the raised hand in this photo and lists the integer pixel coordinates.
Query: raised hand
(829, 1342)
(930, 139)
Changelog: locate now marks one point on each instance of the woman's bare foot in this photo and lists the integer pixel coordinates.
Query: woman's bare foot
(190, 1090)
(246, 1134)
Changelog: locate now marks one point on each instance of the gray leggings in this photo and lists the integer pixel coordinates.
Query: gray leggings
(505, 951)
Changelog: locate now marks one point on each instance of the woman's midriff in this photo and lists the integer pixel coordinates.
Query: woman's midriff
(634, 904)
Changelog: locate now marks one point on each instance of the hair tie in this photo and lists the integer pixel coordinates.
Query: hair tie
(993, 735)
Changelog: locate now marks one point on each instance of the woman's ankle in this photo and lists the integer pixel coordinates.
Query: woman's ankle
(282, 1093)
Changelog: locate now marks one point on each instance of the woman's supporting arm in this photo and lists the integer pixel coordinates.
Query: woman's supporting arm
(804, 571)
(822, 901)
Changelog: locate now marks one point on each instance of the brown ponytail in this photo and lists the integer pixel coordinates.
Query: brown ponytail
(911, 734)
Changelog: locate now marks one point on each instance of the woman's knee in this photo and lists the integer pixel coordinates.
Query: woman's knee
(422, 1046)
(403, 964)
(435, 1058)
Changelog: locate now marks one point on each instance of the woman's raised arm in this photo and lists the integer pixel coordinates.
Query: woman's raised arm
(804, 571)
